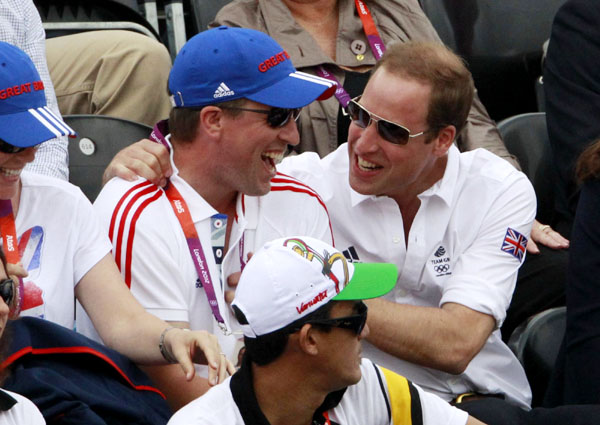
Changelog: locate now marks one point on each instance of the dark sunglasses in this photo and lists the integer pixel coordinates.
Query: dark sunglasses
(390, 131)
(8, 148)
(355, 323)
(276, 117)
(7, 290)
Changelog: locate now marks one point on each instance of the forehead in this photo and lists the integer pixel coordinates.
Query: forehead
(396, 98)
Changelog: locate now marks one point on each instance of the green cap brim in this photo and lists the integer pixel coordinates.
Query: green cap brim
(370, 280)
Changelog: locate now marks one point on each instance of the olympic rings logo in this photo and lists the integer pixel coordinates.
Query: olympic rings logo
(442, 268)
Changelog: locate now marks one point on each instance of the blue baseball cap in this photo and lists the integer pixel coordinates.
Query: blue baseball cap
(225, 63)
(24, 118)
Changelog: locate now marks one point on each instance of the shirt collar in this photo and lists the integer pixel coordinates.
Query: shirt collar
(444, 187)
(6, 401)
(245, 398)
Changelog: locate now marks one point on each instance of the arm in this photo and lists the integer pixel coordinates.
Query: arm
(126, 327)
(429, 336)
(474, 298)
(178, 390)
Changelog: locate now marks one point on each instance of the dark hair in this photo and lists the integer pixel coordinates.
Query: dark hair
(588, 164)
(183, 122)
(452, 87)
(265, 349)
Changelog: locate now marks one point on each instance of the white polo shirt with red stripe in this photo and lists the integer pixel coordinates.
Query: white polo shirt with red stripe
(151, 251)
(465, 246)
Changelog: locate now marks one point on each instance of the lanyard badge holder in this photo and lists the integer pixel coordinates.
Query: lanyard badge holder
(184, 217)
(375, 42)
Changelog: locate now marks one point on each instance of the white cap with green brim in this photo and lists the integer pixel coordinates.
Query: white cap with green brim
(289, 278)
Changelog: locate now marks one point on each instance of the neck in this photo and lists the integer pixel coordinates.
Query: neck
(319, 18)
(199, 176)
(300, 402)
(409, 202)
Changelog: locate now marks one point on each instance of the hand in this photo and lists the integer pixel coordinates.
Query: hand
(145, 159)
(16, 272)
(545, 235)
(199, 347)
(232, 281)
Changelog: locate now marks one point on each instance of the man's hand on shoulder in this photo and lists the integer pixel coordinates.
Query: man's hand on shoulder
(145, 159)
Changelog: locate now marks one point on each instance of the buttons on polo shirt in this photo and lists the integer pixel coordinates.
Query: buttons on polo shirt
(358, 47)
(396, 239)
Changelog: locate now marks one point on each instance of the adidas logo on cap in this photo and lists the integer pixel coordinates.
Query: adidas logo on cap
(223, 91)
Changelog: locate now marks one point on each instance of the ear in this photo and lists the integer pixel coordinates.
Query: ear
(308, 340)
(444, 140)
(211, 120)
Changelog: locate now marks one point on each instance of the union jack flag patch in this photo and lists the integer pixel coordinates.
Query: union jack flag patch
(514, 243)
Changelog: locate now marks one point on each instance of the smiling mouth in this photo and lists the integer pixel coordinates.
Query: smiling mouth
(365, 165)
(11, 172)
(272, 158)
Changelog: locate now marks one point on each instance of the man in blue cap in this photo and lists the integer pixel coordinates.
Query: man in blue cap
(236, 96)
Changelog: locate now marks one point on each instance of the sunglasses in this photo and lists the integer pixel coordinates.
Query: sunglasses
(276, 117)
(7, 290)
(355, 323)
(388, 130)
(6, 147)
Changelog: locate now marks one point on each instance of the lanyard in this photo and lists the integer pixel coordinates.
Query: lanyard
(375, 41)
(11, 248)
(182, 213)
(9, 233)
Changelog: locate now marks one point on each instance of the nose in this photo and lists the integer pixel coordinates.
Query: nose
(27, 155)
(289, 133)
(364, 140)
(364, 333)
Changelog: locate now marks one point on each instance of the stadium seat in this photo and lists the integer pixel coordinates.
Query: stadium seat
(502, 43)
(62, 17)
(536, 344)
(98, 140)
(526, 137)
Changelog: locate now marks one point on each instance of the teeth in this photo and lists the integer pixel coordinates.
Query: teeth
(11, 171)
(362, 163)
(277, 157)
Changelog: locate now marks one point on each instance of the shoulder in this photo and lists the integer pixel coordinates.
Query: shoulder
(322, 174)
(241, 13)
(119, 194)
(490, 169)
(286, 188)
(215, 407)
(50, 188)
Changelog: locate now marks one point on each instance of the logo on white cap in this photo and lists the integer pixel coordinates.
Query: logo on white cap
(223, 91)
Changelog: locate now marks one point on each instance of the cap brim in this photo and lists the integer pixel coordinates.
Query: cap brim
(32, 127)
(295, 91)
(369, 280)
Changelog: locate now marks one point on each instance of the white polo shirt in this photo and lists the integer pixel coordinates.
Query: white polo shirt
(454, 253)
(381, 397)
(18, 410)
(151, 250)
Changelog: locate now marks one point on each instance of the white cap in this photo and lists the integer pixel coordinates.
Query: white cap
(291, 277)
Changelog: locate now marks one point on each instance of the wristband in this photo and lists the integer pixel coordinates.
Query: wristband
(163, 349)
